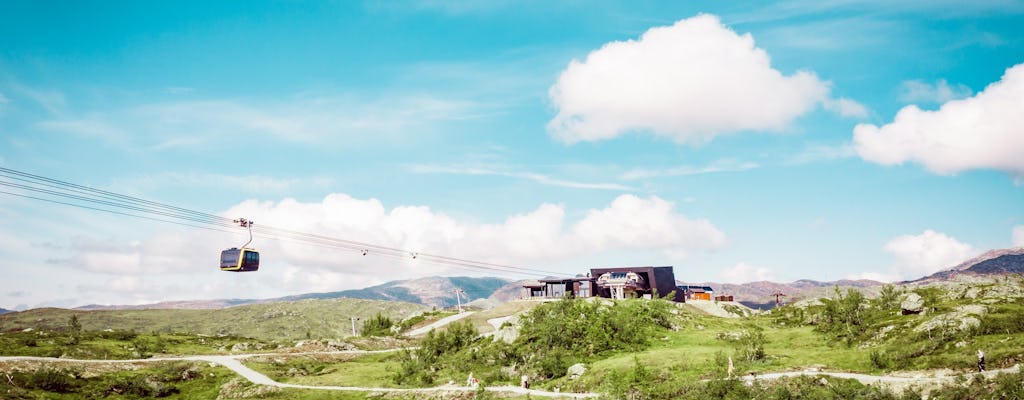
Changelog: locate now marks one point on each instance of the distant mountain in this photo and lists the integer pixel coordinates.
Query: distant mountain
(431, 291)
(435, 291)
(178, 305)
(5, 311)
(992, 262)
(759, 294)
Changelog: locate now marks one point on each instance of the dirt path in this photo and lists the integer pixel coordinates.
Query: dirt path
(233, 363)
(439, 323)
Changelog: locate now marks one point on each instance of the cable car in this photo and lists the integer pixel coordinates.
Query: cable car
(241, 259)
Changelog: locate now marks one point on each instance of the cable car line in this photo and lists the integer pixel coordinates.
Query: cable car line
(9, 171)
(113, 212)
(104, 200)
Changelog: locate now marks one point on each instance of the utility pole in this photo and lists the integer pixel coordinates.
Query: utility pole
(459, 299)
(354, 319)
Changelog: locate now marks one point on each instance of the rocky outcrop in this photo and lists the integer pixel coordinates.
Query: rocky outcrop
(912, 304)
(576, 371)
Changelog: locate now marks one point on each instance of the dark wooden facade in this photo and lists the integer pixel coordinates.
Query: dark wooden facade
(660, 281)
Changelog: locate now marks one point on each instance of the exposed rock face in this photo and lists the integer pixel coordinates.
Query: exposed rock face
(963, 318)
(992, 262)
(913, 304)
(576, 371)
(508, 332)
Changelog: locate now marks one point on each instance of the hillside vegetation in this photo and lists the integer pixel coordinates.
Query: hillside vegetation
(267, 321)
(655, 349)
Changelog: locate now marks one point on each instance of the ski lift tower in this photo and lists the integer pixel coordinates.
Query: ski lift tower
(778, 297)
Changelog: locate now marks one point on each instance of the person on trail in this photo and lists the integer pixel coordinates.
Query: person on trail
(470, 380)
(981, 360)
(731, 368)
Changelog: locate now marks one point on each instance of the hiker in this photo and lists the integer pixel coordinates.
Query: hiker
(525, 382)
(731, 368)
(470, 380)
(981, 360)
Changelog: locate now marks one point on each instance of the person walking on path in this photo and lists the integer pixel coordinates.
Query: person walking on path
(981, 360)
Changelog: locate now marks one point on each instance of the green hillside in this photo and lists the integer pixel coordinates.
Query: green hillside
(638, 349)
(268, 321)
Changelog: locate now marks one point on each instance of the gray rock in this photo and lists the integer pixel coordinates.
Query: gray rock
(913, 304)
(577, 370)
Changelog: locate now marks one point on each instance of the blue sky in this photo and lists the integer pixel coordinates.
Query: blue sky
(737, 141)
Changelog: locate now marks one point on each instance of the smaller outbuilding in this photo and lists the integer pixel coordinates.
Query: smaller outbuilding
(693, 292)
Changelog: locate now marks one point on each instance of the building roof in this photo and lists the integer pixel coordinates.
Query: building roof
(695, 288)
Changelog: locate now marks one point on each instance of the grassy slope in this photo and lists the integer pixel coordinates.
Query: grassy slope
(286, 320)
(371, 370)
(690, 351)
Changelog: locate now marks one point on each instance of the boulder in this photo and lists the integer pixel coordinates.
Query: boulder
(913, 304)
(576, 371)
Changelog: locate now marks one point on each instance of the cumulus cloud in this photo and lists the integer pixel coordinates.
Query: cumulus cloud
(1018, 236)
(981, 132)
(629, 222)
(743, 273)
(927, 253)
(689, 82)
(918, 91)
(846, 107)
(158, 267)
(633, 222)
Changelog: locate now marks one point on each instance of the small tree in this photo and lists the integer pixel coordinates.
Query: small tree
(378, 325)
(74, 326)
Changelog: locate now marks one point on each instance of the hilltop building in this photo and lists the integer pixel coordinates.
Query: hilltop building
(612, 283)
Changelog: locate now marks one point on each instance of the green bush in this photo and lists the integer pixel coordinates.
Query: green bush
(378, 325)
(48, 379)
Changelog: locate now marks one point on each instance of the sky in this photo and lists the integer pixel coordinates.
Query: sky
(736, 141)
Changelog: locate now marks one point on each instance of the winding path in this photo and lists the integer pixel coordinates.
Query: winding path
(233, 363)
(439, 323)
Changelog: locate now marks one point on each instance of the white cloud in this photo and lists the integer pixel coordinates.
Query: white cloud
(846, 107)
(981, 132)
(159, 267)
(875, 276)
(918, 91)
(689, 82)
(725, 165)
(246, 183)
(822, 152)
(632, 222)
(743, 273)
(1018, 236)
(927, 253)
(506, 172)
(629, 222)
(300, 119)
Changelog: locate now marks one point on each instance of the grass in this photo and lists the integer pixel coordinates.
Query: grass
(370, 370)
(479, 319)
(268, 321)
(120, 344)
(691, 352)
(176, 379)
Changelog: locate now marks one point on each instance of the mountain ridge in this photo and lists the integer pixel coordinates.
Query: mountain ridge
(992, 262)
(434, 291)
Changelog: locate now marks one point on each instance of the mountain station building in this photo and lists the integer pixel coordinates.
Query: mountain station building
(612, 283)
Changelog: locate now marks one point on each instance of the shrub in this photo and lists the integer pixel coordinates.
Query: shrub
(48, 379)
(378, 325)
